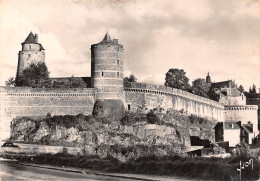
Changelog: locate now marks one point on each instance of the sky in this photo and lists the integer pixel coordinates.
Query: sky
(200, 36)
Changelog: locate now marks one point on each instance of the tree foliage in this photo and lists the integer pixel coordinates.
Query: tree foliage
(10, 82)
(200, 87)
(176, 78)
(253, 90)
(131, 78)
(213, 95)
(36, 75)
(241, 89)
(72, 82)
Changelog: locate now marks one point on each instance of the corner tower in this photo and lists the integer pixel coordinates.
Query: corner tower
(32, 52)
(107, 62)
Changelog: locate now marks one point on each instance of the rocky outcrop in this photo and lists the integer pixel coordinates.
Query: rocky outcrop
(130, 138)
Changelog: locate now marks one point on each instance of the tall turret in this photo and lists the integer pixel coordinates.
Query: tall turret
(208, 80)
(107, 64)
(32, 52)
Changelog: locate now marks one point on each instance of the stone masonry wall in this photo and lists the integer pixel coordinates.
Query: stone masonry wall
(151, 96)
(243, 113)
(28, 56)
(107, 62)
(38, 102)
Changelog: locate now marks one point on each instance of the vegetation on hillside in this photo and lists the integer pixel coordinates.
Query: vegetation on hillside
(193, 167)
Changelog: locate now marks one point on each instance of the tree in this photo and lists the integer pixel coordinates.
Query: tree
(131, 78)
(36, 75)
(72, 82)
(200, 87)
(241, 89)
(253, 89)
(10, 82)
(176, 78)
(213, 95)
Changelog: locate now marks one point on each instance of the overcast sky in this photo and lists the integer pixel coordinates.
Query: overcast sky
(221, 37)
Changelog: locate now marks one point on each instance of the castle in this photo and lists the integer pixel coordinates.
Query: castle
(105, 84)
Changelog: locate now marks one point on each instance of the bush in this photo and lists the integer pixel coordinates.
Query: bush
(152, 118)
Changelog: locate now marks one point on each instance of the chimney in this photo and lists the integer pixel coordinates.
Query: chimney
(36, 38)
(115, 41)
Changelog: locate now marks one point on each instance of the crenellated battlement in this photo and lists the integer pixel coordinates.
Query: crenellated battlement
(164, 90)
(44, 92)
(241, 107)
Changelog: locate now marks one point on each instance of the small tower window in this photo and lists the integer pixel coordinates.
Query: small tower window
(102, 74)
(128, 107)
(30, 47)
(117, 74)
(118, 62)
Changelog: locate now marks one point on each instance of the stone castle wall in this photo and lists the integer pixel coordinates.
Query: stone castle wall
(38, 102)
(243, 113)
(138, 95)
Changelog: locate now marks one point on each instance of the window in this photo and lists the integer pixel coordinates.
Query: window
(118, 62)
(102, 74)
(128, 107)
(29, 55)
(30, 47)
(117, 74)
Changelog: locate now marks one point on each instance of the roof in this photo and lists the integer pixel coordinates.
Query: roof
(106, 39)
(31, 38)
(223, 84)
(227, 125)
(235, 92)
(248, 128)
(231, 125)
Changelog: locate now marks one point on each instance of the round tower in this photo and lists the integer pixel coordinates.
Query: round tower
(32, 52)
(107, 62)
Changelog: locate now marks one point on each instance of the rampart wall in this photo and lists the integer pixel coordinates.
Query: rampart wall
(151, 96)
(38, 102)
(243, 113)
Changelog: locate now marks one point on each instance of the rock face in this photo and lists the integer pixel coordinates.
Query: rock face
(120, 140)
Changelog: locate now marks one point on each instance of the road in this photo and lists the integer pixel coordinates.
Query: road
(14, 171)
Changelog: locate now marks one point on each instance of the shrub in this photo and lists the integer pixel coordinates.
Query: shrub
(152, 118)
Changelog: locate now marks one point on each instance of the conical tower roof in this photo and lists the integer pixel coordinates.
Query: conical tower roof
(30, 38)
(106, 39)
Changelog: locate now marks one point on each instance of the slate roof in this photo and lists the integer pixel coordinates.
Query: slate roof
(248, 128)
(228, 125)
(106, 39)
(223, 84)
